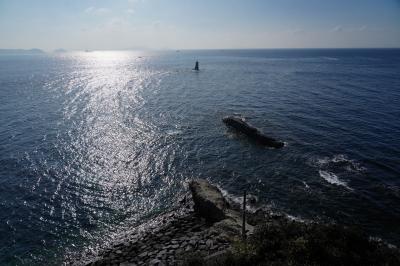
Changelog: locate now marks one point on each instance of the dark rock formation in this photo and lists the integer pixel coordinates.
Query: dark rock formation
(208, 201)
(252, 132)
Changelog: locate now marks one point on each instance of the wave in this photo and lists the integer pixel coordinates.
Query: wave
(255, 206)
(252, 202)
(333, 179)
(339, 165)
(330, 58)
(340, 160)
(173, 132)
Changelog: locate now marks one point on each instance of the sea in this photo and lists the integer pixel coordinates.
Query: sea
(93, 143)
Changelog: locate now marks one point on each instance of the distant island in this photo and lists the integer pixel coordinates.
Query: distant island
(60, 50)
(21, 51)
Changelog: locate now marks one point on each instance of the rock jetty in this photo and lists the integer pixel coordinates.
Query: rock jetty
(207, 227)
(206, 230)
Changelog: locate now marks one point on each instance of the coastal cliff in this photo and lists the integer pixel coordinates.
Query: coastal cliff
(207, 231)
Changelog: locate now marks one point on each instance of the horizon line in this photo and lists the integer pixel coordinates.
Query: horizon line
(204, 49)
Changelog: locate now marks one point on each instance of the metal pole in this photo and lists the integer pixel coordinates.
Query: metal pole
(244, 216)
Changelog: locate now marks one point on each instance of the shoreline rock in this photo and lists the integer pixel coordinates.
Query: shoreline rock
(208, 201)
(208, 225)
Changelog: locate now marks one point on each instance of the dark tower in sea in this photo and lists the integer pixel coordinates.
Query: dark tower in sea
(196, 67)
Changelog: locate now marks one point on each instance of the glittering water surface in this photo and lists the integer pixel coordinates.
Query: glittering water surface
(95, 142)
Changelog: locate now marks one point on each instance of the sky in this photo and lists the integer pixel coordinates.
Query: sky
(198, 24)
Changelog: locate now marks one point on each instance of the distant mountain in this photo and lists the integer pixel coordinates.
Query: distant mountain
(60, 50)
(21, 51)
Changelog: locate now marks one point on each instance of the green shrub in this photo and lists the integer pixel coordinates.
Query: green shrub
(294, 243)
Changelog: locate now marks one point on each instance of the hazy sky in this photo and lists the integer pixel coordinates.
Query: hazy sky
(180, 24)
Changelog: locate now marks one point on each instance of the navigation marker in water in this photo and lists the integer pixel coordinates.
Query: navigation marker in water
(196, 67)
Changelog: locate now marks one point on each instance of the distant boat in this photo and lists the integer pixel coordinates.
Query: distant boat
(196, 67)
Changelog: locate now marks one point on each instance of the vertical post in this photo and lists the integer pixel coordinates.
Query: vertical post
(244, 216)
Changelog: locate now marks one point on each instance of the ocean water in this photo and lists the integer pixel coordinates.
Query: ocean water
(92, 143)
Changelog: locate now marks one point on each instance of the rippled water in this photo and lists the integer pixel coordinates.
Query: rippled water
(92, 143)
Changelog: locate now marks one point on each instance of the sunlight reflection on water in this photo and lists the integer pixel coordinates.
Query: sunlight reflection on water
(111, 150)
